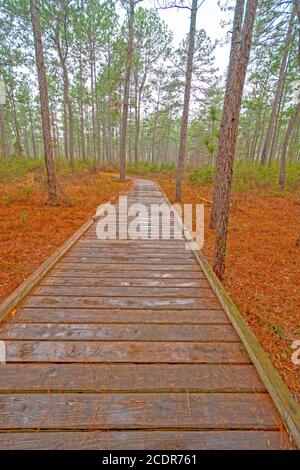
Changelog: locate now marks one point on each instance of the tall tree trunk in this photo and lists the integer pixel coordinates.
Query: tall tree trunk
(234, 58)
(278, 93)
(3, 136)
(45, 114)
(291, 125)
(17, 145)
(186, 102)
(126, 91)
(93, 105)
(66, 132)
(32, 130)
(70, 111)
(81, 115)
(228, 135)
(277, 127)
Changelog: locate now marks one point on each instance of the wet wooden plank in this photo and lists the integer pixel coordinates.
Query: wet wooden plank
(120, 302)
(131, 377)
(56, 280)
(145, 440)
(133, 332)
(150, 352)
(147, 292)
(73, 315)
(138, 411)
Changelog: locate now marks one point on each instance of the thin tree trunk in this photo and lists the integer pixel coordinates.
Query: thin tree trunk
(45, 114)
(81, 116)
(3, 135)
(32, 130)
(70, 112)
(66, 131)
(279, 88)
(186, 102)
(126, 91)
(234, 58)
(228, 135)
(277, 127)
(291, 125)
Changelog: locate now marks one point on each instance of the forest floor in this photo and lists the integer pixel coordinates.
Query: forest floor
(31, 230)
(263, 265)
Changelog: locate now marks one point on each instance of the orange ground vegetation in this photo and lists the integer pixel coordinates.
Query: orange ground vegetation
(31, 230)
(263, 261)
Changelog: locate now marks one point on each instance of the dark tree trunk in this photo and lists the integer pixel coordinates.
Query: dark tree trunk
(234, 58)
(186, 102)
(228, 136)
(45, 114)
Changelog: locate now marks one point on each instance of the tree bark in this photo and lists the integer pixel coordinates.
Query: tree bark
(45, 114)
(3, 135)
(186, 102)
(126, 91)
(278, 93)
(68, 102)
(233, 59)
(290, 128)
(228, 135)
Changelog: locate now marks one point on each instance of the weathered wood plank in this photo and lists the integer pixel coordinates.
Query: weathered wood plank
(115, 260)
(150, 352)
(145, 440)
(133, 332)
(120, 302)
(138, 411)
(110, 273)
(73, 315)
(130, 377)
(129, 255)
(56, 280)
(103, 267)
(148, 292)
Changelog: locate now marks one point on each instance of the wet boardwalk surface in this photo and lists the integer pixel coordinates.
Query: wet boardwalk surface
(124, 345)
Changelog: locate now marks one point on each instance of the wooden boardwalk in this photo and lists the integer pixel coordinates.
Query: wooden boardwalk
(124, 345)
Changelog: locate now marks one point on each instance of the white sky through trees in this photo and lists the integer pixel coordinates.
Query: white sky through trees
(209, 17)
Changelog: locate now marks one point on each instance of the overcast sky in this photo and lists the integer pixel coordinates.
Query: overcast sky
(209, 18)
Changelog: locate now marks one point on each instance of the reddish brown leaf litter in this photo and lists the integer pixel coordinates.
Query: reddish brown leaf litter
(263, 261)
(31, 230)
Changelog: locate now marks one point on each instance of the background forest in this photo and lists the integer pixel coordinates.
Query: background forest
(85, 49)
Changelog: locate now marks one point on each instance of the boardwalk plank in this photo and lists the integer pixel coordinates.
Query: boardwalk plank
(133, 332)
(127, 291)
(119, 282)
(120, 302)
(138, 411)
(131, 377)
(73, 315)
(151, 352)
(145, 440)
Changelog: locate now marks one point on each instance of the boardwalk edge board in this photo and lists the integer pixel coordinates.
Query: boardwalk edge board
(287, 406)
(12, 300)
